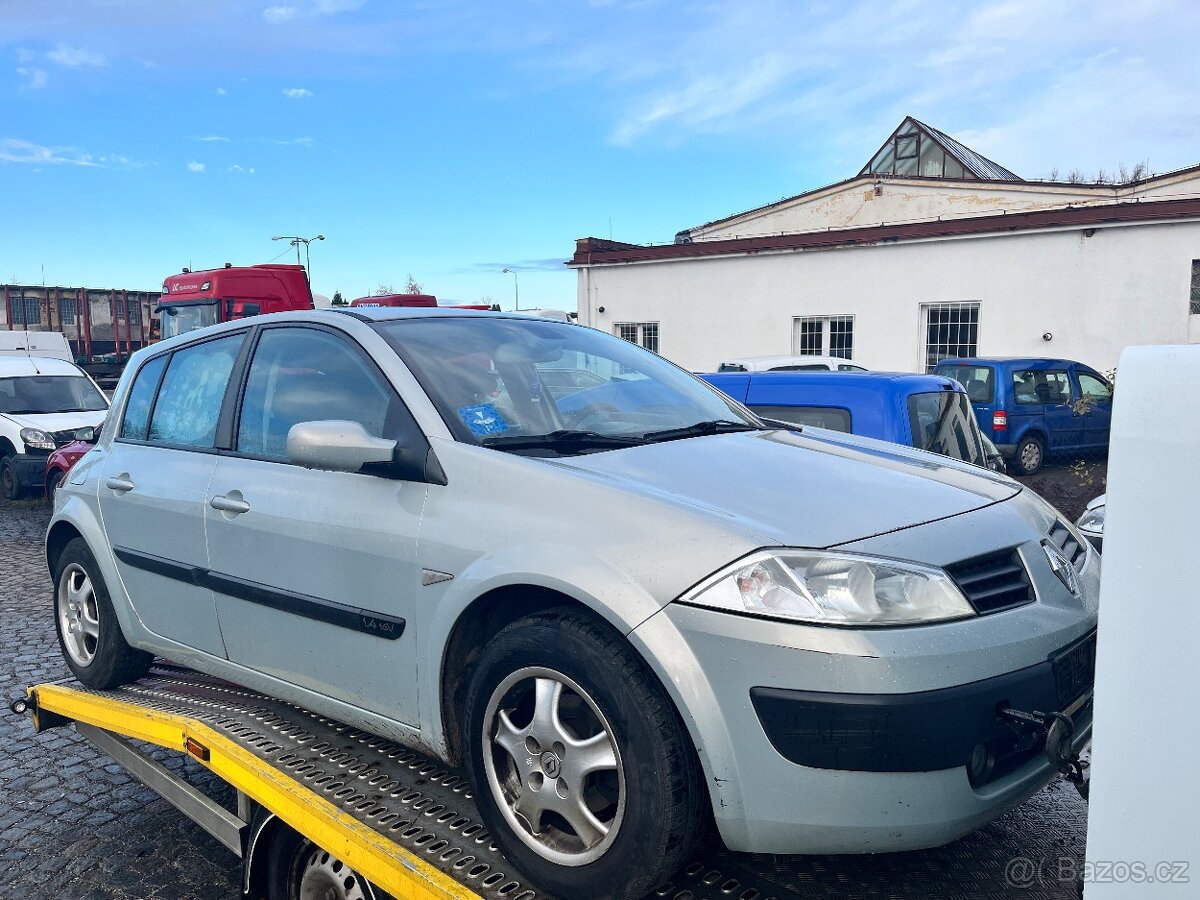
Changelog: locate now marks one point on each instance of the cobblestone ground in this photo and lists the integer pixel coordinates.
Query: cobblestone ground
(74, 824)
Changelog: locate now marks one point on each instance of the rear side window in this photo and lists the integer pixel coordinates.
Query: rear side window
(141, 399)
(944, 423)
(1041, 386)
(977, 380)
(833, 418)
(189, 401)
(307, 375)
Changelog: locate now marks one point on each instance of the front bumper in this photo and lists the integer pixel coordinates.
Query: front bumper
(30, 469)
(844, 773)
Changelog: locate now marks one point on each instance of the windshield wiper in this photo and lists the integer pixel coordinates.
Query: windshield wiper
(562, 441)
(717, 426)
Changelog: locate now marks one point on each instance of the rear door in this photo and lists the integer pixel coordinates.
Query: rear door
(1095, 409)
(154, 483)
(979, 381)
(1042, 400)
(316, 571)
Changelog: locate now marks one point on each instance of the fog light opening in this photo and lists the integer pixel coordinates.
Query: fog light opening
(980, 765)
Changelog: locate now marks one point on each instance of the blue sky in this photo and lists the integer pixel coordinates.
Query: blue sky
(453, 139)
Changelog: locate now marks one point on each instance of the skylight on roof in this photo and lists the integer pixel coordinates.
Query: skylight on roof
(916, 150)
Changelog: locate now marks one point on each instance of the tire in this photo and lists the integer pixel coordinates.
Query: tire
(297, 868)
(648, 791)
(89, 634)
(1029, 455)
(10, 484)
(52, 482)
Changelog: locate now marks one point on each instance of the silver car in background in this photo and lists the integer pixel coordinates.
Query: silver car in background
(621, 601)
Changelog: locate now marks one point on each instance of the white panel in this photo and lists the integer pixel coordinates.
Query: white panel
(1145, 789)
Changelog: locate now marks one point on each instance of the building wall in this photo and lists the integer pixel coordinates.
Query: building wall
(1096, 295)
(902, 200)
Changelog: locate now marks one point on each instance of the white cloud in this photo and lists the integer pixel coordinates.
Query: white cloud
(297, 93)
(221, 92)
(278, 14)
(196, 167)
(294, 142)
(213, 139)
(15, 150)
(33, 79)
(75, 57)
(240, 170)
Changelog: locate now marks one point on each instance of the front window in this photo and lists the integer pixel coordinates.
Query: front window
(42, 394)
(976, 379)
(943, 422)
(187, 317)
(559, 388)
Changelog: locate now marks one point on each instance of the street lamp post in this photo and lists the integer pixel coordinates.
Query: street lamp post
(516, 288)
(296, 242)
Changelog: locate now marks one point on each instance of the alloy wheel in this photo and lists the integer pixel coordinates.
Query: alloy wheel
(78, 614)
(554, 766)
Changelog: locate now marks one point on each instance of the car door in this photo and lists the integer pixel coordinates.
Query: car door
(153, 488)
(1042, 399)
(315, 571)
(1096, 409)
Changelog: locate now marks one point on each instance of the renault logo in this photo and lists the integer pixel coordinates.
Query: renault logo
(1062, 567)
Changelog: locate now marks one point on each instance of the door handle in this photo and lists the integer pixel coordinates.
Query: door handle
(230, 503)
(119, 484)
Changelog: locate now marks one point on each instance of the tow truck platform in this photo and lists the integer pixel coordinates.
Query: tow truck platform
(407, 824)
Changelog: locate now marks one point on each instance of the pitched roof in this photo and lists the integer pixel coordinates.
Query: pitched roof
(597, 251)
(915, 148)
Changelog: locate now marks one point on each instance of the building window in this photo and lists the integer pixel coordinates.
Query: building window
(812, 334)
(66, 312)
(950, 330)
(644, 334)
(1195, 306)
(26, 311)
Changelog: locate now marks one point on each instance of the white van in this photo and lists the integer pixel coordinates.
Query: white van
(36, 343)
(805, 363)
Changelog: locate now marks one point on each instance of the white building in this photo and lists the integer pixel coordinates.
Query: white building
(930, 251)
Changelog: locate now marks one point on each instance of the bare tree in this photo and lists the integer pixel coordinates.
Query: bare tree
(413, 286)
(383, 289)
(1074, 177)
(1053, 176)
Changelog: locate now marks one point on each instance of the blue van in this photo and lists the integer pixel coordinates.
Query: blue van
(1032, 409)
(923, 411)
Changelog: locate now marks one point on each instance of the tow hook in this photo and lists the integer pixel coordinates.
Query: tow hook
(1060, 732)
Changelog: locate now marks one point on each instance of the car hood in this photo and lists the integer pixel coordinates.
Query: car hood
(811, 489)
(58, 421)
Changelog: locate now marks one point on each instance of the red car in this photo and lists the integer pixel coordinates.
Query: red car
(59, 464)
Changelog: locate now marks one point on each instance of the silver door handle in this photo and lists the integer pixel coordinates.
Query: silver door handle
(120, 483)
(230, 504)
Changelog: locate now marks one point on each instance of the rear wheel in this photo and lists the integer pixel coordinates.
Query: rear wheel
(10, 485)
(300, 870)
(88, 631)
(582, 770)
(1029, 455)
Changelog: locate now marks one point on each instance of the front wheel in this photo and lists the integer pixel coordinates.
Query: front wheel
(10, 484)
(582, 769)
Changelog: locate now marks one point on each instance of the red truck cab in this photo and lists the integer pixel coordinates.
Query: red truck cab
(192, 300)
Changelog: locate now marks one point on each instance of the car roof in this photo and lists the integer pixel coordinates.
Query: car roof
(904, 381)
(386, 313)
(785, 359)
(17, 366)
(1032, 361)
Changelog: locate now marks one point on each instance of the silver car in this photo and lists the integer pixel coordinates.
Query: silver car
(617, 598)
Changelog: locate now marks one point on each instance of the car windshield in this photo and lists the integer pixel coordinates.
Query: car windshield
(187, 317)
(40, 394)
(943, 421)
(555, 388)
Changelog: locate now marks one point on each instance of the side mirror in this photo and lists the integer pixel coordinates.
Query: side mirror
(250, 309)
(88, 434)
(336, 445)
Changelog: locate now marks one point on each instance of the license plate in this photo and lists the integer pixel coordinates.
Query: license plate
(1074, 669)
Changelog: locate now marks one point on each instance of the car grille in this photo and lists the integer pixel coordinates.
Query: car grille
(994, 581)
(1071, 548)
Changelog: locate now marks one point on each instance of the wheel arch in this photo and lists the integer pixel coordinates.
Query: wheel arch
(60, 534)
(7, 448)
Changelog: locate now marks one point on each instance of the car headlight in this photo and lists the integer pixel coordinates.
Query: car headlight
(36, 439)
(1092, 521)
(833, 589)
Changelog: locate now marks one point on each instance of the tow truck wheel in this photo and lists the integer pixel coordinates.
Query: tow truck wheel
(300, 870)
(88, 631)
(583, 772)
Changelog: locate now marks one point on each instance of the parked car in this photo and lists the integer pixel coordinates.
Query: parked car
(1091, 523)
(1034, 409)
(797, 363)
(59, 463)
(623, 624)
(43, 402)
(922, 411)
